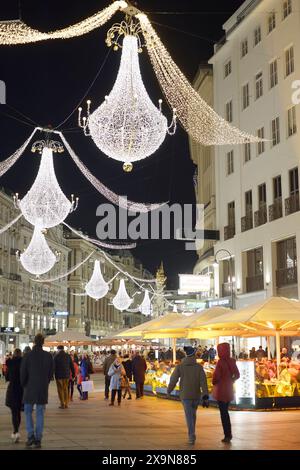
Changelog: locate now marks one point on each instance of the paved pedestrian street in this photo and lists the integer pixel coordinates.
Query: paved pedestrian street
(150, 424)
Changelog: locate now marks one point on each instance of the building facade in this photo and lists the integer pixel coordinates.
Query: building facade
(257, 185)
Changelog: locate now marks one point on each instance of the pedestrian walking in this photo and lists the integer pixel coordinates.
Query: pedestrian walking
(14, 393)
(193, 389)
(106, 365)
(63, 367)
(36, 373)
(84, 375)
(116, 372)
(73, 379)
(127, 364)
(139, 368)
(225, 374)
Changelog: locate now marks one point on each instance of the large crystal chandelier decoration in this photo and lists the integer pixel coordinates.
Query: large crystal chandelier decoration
(97, 287)
(145, 307)
(45, 204)
(127, 126)
(38, 258)
(122, 301)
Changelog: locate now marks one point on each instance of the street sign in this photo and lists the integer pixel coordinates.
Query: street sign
(7, 329)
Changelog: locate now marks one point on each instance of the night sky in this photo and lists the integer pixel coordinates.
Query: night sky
(47, 80)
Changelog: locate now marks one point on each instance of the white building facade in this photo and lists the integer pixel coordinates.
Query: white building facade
(257, 185)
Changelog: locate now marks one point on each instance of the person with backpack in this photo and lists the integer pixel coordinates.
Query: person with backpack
(225, 374)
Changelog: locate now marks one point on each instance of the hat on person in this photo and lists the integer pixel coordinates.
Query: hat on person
(189, 350)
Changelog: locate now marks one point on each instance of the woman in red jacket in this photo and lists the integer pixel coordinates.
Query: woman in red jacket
(223, 379)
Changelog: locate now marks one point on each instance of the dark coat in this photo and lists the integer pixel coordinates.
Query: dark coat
(14, 392)
(63, 366)
(108, 362)
(225, 374)
(127, 364)
(193, 383)
(36, 373)
(139, 368)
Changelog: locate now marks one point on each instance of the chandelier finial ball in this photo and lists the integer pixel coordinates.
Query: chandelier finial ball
(116, 47)
(127, 167)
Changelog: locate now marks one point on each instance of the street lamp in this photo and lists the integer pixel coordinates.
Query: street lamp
(215, 264)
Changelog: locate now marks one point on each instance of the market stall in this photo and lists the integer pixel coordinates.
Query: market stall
(69, 338)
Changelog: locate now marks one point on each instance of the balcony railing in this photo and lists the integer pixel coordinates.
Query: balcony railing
(260, 216)
(255, 283)
(285, 277)
(229, 232)
(247, 222)
(15, 277)
(275, 210)
(292, 204)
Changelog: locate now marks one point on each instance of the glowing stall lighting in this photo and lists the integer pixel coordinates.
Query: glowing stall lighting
(145, 307)
(122, 300)
(45, 204)
(270, 325)
(127, 126)
(97, 287)
(38, 258)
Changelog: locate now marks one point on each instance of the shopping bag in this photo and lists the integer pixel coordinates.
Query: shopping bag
(87, 386)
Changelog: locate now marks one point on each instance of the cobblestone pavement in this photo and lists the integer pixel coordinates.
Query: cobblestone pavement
(150, 424)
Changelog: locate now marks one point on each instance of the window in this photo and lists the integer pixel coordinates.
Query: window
(255, 262)
(228, 111)
(261, 145)
(294, 181)
(248, 201)
(245, 96)
(271, 21)
(262, 195)
(244, 47)
(291, 124)
(275, 131)
(286, 8)
(289, 61)
(273, 73)
(277, 191)
(227, 68)
(287, 254)
(258, 85)
(230, 164)
(231, 214)
(247, 152)
(257, 36)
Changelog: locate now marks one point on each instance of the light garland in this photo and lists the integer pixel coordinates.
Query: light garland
(45, 204)
(127, 126)
(145, 307)
(202, 123)
(10, 224)
(37, 258)
(97, 287)
(17, 32)
(101, 188)
(122, 301)
(5, 165)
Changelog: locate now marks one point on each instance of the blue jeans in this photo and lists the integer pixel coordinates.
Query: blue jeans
(190, 409)
(40, 410)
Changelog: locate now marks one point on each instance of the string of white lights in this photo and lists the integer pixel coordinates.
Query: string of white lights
(202, 123)
(67, 273)
(17, 32)
(115, 265)
(100, 243)
(110, 195)
(5, 165)
(10, 224)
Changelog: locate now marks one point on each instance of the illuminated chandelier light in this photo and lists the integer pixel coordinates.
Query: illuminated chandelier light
(202, 123)
(127, 126)
(17, 32)
(38, 258)
(122, 301)
(145, 307)
(45, 204)
(5, 165)
(102, 189)
(97, 287)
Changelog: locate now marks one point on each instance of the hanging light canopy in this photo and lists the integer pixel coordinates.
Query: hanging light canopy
(145, 307)
(122, 301)
(127, 126)
(45, 204)
(38, 258)
(97, 287)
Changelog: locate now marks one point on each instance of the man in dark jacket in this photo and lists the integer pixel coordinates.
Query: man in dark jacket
(109, 360)
(193, 388)
(63, 369)
(139, 368)
(36, 373)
